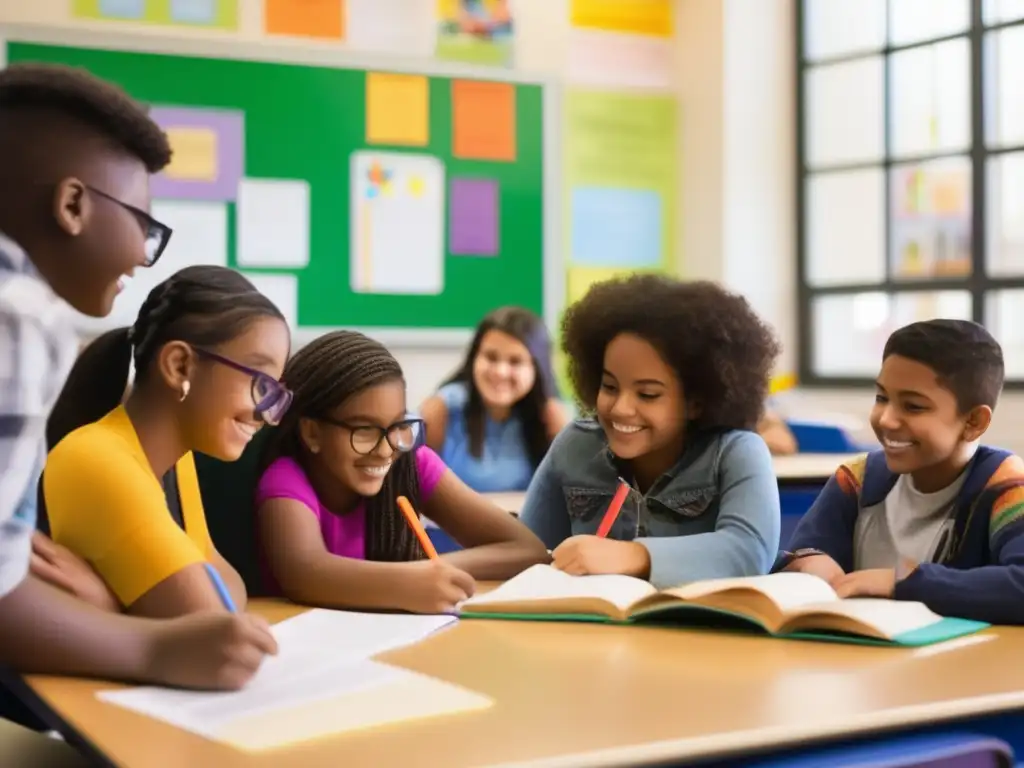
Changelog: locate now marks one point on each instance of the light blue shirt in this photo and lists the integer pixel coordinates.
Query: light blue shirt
(505, 461)
(715, 514)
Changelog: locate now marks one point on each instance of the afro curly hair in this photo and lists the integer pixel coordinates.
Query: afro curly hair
(79, 95)
(720, 349)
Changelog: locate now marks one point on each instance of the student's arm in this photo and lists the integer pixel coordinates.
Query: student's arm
(992, 593)
(776, 434)
(555, 417)
(232, 579)
(544, 510)
(110, 510)
(827, 527)
(746, 535)
(435, 413)
(308, 573)
(496, 545)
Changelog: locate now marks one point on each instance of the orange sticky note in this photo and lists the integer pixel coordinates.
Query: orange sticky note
(484, 120)
(397, 109)
(305, 18)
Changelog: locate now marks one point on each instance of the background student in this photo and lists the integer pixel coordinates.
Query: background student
(331, 531)
(493, 421)
(676, 374)
(208, 350)
(65, 136)
(932, 516)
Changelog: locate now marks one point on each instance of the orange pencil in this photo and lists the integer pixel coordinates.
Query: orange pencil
(613, 509)
(417, 527)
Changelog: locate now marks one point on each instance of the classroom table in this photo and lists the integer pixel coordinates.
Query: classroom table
(808, 469)
(598, 695)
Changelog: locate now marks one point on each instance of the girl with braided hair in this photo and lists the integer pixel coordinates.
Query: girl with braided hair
(331, 531)
(120, 486)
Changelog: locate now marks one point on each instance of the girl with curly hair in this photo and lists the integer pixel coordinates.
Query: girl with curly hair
(674, 375)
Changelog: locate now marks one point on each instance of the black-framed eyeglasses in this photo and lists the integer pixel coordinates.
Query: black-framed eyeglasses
(270, 398)
(403, 436)
(157, 233)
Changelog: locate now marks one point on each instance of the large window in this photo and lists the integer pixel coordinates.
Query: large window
(911, 187)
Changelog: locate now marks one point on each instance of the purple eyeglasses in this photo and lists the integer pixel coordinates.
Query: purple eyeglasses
(270, 398)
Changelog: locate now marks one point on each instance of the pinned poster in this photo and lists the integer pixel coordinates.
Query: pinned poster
(397, 109)
(612, 59)
(200, 237)
(475, 31)
(638, 17)
(473, 227)
(305, 18)
(208, 153)
(616, 227)
(212, 14)
(483, 120)
(403, 27)
(397, 223)
(283, 290)
(273, 223)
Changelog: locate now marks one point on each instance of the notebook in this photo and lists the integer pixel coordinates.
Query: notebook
(322, 682)
(795, 605)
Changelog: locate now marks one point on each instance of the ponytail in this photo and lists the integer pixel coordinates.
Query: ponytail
(95, 386)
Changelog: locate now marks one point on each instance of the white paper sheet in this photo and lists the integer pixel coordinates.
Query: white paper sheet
(616, 60)
(321, 655)
(404, 27)
(397, 224)
(283, 290)
(273, 223)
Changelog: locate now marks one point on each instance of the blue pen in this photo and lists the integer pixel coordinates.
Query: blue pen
(222, 590)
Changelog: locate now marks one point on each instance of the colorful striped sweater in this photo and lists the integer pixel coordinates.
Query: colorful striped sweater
(982, 575)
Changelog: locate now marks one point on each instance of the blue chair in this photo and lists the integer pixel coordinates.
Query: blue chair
(819, 437)
(947, 750)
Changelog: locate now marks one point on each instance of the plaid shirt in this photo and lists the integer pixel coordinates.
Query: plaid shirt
(37, 348)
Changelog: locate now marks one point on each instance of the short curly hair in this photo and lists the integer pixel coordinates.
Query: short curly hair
(720, 349)
(101, 105)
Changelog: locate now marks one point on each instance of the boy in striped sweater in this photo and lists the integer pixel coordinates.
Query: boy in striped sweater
(933, 516)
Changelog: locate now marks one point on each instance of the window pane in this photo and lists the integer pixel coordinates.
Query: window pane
(913, 20)
(930, 98)
(850, 331)
(1004, 87)
(1005, 207)
(1003, 10)
(846, 227)
(844, 112)
(837, 27)
(1004, 317)
(931, 218)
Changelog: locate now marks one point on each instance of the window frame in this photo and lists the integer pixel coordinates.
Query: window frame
(979, 284)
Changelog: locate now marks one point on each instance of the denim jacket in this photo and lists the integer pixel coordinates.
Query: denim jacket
(714, 514)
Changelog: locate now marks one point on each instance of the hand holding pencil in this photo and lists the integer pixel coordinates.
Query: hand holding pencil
(431, 585)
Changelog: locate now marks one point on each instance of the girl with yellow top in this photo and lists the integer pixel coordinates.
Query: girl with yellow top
(120, 483)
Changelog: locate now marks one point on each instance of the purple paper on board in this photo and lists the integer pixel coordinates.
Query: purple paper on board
(229, 126)
(473, 226)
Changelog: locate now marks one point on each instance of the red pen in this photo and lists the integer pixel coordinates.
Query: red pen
(613, 509)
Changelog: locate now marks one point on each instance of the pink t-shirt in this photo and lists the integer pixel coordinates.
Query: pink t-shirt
(344, 535)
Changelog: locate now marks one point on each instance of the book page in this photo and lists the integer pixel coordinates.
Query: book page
(889, 618)
(787, 590)
(543, 582)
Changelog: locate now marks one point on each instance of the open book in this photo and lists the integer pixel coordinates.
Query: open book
(781, 604)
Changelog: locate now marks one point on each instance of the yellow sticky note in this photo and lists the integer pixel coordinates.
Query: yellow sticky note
(640, 17)
(194, 155)
(397, 109)
(579, 279)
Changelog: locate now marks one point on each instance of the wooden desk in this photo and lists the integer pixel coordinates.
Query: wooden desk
(808, 468)
(583, 694)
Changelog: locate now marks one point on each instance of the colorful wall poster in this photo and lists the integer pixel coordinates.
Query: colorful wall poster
(211, 14)
(208, 153)
(475, 31)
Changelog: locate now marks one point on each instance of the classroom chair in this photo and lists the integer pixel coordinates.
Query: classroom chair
(821, 437)
(947, 750)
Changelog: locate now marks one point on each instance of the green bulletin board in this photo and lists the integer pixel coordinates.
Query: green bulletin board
(305, 132)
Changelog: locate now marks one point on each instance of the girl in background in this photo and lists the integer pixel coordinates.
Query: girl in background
(120, 485)
(493, 421)
(331, 531)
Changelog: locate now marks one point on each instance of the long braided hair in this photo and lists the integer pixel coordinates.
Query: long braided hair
(204, 306)
(323, 375)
